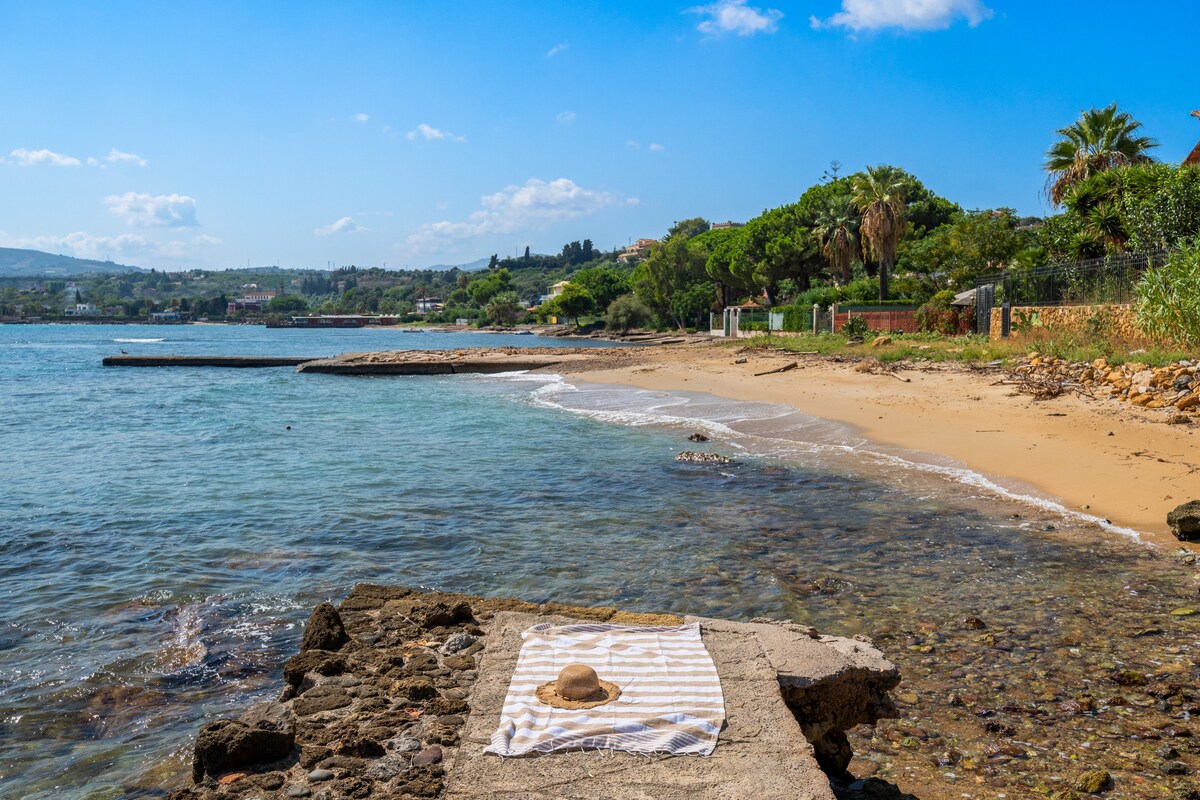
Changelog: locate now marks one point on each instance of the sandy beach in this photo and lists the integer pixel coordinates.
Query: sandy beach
(1095, 456)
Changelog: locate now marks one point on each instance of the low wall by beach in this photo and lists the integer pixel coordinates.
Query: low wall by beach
(1117, 321)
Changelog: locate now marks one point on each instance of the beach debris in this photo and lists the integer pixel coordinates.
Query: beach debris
(741, 360)
(697, 437)
(324, 630)
(1184, 520)
(880, 341)
(695, 457)
(784, 368)
(900, 378)
(1174, 387)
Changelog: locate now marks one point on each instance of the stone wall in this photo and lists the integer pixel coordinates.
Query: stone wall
(1116, 321)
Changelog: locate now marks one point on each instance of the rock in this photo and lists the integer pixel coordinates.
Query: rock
(418, 687)
(459, 641)
(1179, 418)
(404, 744)
(1185, 521)
(321, 698)
(298, 790)
(324, 630)
(430, 755)
(1184, 612)
(694, 457)
(880, 341)
(386, 768)
(1094, 782)
(1175, 768)
(359, 747)
(228, 744)
(320, 775)
(697, 437)
(321, 662)
(440, 615)
(1188, 401)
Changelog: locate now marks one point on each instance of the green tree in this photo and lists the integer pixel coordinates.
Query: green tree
(881, 196)
(1102, 138)
(836, 229)
(288, 305)
(776, 246)
(503, 309)
(574, 301)
(485, 288)
(626, 313)
(720, 249)
(689, 228)
(692, 303)
(976, 243)
(605, 284)
(1168, 298)
(670, 267)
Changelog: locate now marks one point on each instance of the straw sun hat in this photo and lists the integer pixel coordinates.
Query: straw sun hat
(578, 686)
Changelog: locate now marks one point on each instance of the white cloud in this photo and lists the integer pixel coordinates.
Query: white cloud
(734, 16)
(33, 158)
(343, 225)
(428, 132)
(126, 247)
(361, 117)
(558, 48)
(912, 15)
(534, 204)
(92, 162)
(115, 156)
(633, 145)
(154, 211)
(655, 147)
(565, 117)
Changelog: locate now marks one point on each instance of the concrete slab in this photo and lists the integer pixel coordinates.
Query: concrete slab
(762, 751)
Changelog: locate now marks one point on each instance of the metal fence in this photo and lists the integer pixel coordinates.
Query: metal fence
(1098, 281)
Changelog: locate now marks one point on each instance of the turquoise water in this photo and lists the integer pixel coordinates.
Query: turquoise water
(163, 532)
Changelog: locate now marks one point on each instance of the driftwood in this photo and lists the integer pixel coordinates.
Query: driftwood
(902, 380)
(784, 368)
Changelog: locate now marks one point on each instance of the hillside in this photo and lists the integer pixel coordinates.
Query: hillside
(33, 263)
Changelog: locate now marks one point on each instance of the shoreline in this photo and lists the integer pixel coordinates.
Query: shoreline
(1096, 459)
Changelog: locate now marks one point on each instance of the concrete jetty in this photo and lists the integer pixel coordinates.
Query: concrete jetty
(242, 362)
(396, 693)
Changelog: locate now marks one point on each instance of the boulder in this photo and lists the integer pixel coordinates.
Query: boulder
(321, 662)
(1185, 521)
(324, 630)
(266, 733)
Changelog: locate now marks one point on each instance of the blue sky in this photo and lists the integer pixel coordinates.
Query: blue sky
(408, 134)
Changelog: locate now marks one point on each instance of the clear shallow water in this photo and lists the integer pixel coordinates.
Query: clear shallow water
(162, 533)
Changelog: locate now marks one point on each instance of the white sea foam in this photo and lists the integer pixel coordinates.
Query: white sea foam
(140, 341)
(802, 439)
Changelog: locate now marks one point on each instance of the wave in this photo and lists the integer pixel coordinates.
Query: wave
(777, 431)
(140, 341)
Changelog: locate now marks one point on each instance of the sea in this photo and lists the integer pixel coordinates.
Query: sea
(164, 532)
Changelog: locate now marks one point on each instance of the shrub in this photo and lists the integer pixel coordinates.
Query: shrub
(1168, 298)
(938, 316)
(627, 312)
(856, 326)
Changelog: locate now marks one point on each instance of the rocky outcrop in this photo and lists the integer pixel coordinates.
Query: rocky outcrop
(386, 689)
(1185, 521)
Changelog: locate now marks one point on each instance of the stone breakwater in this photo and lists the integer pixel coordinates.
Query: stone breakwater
(382, 697)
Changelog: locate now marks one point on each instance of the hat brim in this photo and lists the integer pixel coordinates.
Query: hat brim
(548, 694)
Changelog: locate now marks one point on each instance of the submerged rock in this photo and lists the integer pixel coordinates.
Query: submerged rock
(695, 457)
(324, 630)
(1185, 521)
(697, 437)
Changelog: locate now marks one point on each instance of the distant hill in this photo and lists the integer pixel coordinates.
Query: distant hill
(472, 267)
(34, 263)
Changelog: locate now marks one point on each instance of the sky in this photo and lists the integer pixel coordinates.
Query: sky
(409, 134)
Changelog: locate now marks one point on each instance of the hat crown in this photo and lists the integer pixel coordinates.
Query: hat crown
(577, 682)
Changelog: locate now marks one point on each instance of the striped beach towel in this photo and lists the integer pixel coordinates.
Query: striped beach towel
(670, 700)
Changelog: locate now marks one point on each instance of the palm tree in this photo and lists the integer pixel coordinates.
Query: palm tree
(837, 230)
(1101, 139)
(881, 197)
